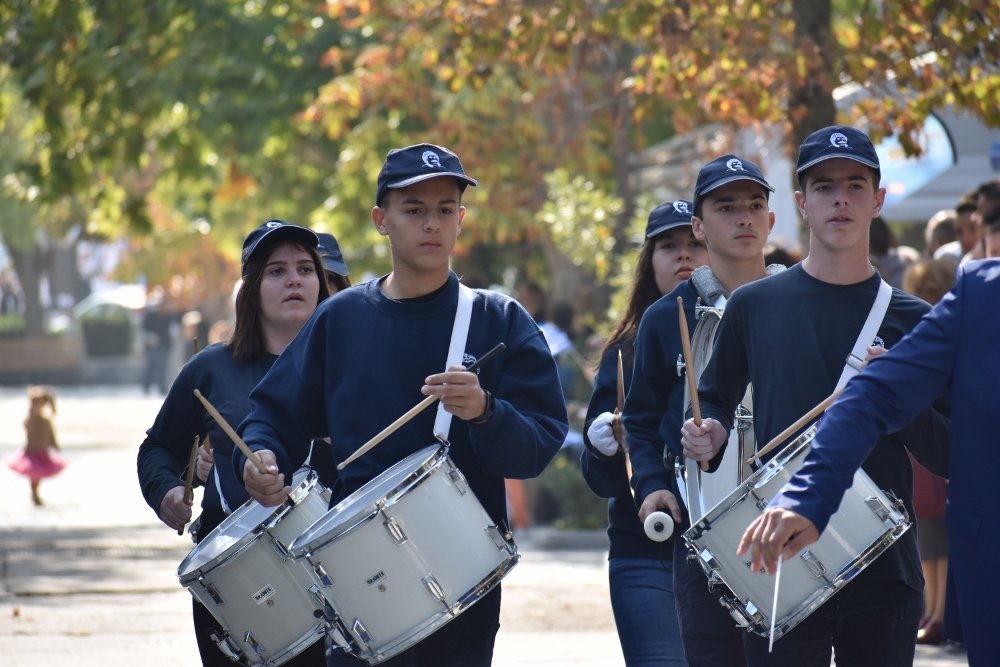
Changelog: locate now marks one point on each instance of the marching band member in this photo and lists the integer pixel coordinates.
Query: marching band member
(953, 349)
(640, 571)
(731, 215)
(789, 336)
(373, 351)
(282, 285)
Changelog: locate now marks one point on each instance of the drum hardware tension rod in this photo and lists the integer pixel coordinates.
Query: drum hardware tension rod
(689, 368)
(799, 423)
(414, 411)
(237, 440)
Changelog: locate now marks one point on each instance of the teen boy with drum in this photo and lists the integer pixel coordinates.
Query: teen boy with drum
(730, 213)
(374, 351)
(789, 335)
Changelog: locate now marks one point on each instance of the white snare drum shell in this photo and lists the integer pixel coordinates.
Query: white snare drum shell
(864, 526)
(244, 576)
(404, 554)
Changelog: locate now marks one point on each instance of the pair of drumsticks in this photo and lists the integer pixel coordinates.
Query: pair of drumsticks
(382, 435)
(696, 409)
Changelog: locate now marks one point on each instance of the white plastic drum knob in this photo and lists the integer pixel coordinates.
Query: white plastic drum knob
(658, 526)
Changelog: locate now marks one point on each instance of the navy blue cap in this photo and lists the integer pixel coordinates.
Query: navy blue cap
(669, 215)
(329, 252)
(274, 229)
(838, 141)
(406, 166)
(723, 170)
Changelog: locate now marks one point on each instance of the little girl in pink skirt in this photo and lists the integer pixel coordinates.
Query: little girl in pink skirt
(36, 462)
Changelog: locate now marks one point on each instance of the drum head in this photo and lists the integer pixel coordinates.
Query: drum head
(237, 530)
(365, 500)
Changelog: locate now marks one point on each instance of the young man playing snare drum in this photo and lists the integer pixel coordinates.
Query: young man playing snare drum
(374, 351)
(790, 335)
(731, 215)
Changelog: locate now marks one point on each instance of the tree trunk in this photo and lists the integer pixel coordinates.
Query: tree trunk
(810, 103)
(29, 265)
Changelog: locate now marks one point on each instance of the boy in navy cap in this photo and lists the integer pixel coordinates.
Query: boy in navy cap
(374, 351)
(789, 336)
(730, 214)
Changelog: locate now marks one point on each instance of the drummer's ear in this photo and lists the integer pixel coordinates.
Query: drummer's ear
(697, 228)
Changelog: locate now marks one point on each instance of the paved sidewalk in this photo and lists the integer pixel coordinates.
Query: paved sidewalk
(89, 579)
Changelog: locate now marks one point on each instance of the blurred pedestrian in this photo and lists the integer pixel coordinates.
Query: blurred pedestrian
(334, 267)
(39, 459)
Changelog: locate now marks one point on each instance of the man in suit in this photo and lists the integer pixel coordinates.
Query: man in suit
(954, 348)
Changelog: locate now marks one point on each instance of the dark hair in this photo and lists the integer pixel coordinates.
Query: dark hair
(991, 219)
(775, 254)
(701, 200)
(644, 293)
(339, 281)
(384, 194)
(880, 237)
(989, 190)
(803, 177)
(247, 342)
(967, 204)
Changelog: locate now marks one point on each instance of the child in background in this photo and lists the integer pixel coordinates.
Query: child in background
(36, 462)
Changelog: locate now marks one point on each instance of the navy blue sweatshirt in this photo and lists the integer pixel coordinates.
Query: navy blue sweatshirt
(789, 335)
(606, 475)
(164, 453)
(359, 364)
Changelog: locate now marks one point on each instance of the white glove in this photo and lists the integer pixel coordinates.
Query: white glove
(602, 436)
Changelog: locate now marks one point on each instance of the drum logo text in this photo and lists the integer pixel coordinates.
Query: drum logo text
(264, 594)
(378, 576)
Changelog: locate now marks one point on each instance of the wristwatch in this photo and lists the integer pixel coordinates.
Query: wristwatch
(487, 412)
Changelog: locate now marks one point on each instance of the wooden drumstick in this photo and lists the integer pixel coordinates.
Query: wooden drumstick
(619, 408)
(689, 369)
(237, 440)
(799, 423)
(413, 412)
(189, 478)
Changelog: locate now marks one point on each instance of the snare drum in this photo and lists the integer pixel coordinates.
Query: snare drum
(242, 572)
(700, 490)
(868, 522)
(403, 555)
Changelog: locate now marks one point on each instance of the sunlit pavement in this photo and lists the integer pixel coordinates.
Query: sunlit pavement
(89, 578)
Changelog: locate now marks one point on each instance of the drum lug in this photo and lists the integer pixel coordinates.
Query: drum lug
(395, 530)
(278, 546)
(226, 645)
(761, 503)
(709, 560)
(254, 644)
(754, 614)
(434, 587)
(212, 591)
(359, 629)
(680, 365)
(815, 565)
(320, 573)
(503, 541)
(877, 507)
(458, 479)
(735, 611)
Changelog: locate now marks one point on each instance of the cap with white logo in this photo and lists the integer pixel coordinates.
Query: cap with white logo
(723, 170)
(405, 166)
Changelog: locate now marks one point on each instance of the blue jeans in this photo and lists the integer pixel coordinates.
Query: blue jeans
(642, 598)
(873, 624)
(710, 635)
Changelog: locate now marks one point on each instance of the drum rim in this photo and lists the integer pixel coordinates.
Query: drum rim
(278, 512)
(312, 540)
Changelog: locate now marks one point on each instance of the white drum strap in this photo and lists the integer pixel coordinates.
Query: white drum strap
(459, 336)
(856, 359)
(218, 487)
